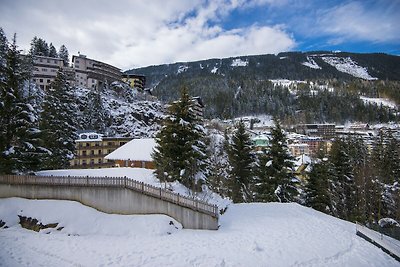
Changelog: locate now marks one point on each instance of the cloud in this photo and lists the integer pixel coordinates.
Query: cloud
(139, 33)
(362, 21)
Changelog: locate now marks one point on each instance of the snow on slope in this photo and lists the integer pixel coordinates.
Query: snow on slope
(311, 63)
(250, 235)
(379, 101)
(347, 65)
(237, 62)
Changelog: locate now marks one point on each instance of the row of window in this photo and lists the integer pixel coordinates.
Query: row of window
(43, 80)
(48, 60)
(98, 144)
(91, 162)
(92, 152)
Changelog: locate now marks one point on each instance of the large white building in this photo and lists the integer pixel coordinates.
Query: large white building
(85, 72)
(45, 70)
(92, 73)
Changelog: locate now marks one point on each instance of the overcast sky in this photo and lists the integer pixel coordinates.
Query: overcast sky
(139, 33)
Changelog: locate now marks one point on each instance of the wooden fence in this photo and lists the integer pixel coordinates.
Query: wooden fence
(119, 182)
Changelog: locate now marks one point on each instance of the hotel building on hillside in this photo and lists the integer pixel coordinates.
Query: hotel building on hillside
(85, 72)
(45, 70)
(92, 73)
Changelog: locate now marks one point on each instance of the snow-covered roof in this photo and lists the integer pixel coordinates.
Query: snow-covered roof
(136, 149)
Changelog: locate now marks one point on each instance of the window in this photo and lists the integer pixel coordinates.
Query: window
(76, 61)
(99, 161)
(84, 162)
(99, 151)
(92, 152)
(87, 144)
(55, 61)
(84, 153)
(91, 161)
(48, 61)
(44, 69)
(41, 80)
(40, 60)
(48, 81)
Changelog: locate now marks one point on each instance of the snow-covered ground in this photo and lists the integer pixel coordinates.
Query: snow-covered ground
(250, 235)
(379, 101)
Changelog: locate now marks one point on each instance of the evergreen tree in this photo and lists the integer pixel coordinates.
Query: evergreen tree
(343, 185)
(180, 153)
(277, 182)
(95, 116)
(19, 143)
(52, 51)
(39, 47)
(63, 54)
(241, 160)
(218, 165)
(317, 195)
(57, 123)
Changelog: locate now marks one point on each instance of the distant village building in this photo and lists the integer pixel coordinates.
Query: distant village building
(134, 80)
(91, 148)
(299, 149)
(136, 154)
(323, 130)
(261, 142)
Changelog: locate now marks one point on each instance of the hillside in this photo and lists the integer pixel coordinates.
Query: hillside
(116, 110)
(250, 235)
(242, 85)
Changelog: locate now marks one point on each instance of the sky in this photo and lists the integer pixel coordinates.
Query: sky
(138, 33)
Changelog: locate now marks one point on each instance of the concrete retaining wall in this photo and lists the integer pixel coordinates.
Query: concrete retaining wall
(114, 200)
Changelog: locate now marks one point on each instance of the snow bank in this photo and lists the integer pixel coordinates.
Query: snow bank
(250, 235)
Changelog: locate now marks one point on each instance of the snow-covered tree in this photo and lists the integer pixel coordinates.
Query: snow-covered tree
(20, 149)
(52, 51)
(63, 54)
(180, 153)
(218, 164)
(241, 160)
(95, 115)
(276, 181)
(39, 47)
(57, 123)
(317, 194)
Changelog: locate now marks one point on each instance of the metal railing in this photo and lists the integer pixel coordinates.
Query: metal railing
(112, 182)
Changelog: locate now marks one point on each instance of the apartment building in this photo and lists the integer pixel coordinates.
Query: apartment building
(92, 73)
(45, 70)
(134, 80)
(322, 130)
(91, 148)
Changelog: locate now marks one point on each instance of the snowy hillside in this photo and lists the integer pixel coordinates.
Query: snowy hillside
(127, 111)
(347, 65)
(249, 235)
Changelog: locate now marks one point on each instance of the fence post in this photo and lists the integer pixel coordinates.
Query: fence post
(178, 198)
(125, 179)
(142, 187)
(160, 193)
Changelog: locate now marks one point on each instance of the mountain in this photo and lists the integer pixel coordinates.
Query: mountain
(234, 86)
